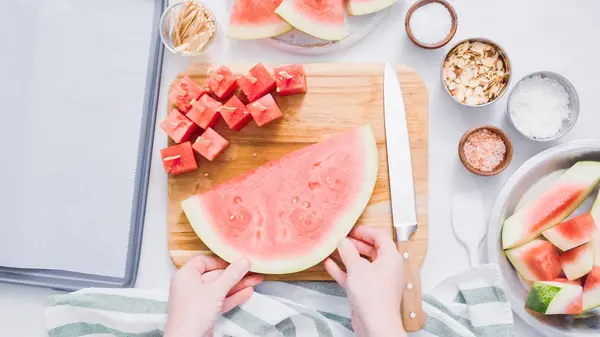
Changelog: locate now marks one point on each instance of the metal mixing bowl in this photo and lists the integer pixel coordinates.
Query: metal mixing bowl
(550, 161)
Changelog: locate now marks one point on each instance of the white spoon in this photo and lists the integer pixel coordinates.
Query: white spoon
(468, 222)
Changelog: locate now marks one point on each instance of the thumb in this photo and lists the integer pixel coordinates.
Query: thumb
(233, 274)
(348, 253)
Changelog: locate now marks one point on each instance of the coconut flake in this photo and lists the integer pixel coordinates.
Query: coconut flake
(431, 23)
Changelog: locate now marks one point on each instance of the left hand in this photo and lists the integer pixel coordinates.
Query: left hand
(204, 288)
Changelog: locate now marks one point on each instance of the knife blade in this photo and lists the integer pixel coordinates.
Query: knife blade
(402, 195)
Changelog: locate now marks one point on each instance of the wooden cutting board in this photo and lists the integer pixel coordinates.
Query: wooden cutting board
(340, 96)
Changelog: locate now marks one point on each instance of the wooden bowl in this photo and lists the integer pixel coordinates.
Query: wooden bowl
(507, 156)
(441, 43)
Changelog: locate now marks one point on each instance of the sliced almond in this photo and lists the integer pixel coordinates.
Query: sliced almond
(230, 108)
(285, 75)
(171, 158)
(250, 78)
(259, 106)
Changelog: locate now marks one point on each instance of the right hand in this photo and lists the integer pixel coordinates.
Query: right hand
(374, 285)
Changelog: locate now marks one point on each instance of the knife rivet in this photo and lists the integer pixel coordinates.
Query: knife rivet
(412, 315)
(409, 285)
(405, 255)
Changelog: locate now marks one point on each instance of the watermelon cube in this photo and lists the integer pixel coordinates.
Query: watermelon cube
(264, 110)
(235, 114)
(290, 79)
(221, 82)
(205, 112)
(210, 144)
(184, 92)
(178, 159)
(257, 82)
(177, 126)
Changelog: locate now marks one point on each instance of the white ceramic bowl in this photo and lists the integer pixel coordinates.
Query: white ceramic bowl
(522, 186)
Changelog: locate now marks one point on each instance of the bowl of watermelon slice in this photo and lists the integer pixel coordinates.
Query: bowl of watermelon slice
(544, 233)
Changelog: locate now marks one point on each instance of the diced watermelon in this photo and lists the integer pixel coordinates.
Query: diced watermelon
(257, 82)
(535, 261)
(205, 112)
(177, 126)
(222, 82)
(178, 159)
(264, 110)
(555, 298)
(184, 92)
(578, 261)
(591, 290)
(291, 79)
(572, 233)
(235, 114)
(210, 144)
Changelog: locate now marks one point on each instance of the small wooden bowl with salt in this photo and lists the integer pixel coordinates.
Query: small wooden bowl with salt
(431, 24)
(485, 151)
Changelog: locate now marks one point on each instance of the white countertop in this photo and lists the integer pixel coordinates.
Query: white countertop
(537, 34)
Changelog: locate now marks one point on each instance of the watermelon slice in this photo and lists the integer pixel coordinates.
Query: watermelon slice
(221, 82)
(256, 19)
(537, 260)
(257, 82)
(555, 298)
(177, 126)
(264, 110)
(362, 7)
(572, 233)
(235, 114)
(205, 112)
(596, 248)
(290, 213)
(320, 18)
(591, 290)
(210, 144)
(291, 79)
(184, 92)
(578, 261)
(179, 159)
(552, 206)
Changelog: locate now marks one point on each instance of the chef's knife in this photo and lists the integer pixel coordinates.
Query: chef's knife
(402, 194)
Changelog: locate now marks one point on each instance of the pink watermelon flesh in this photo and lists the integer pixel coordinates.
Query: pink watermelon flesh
(362, 7)
(535, 261)
(591, 290)
(289, 214)
(572, 233)
(554, 205)
(578, 261)
(256, 19)
(320, 18)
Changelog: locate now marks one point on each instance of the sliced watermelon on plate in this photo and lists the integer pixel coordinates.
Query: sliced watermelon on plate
(177, 126)
(256, 19)
(257, 82)
(554, 205)
(210, 144)
(235, 114)
(537, 260)
(264, 110)
(320, 18)
(205, 112)
(572, 233)
(184, 92)
(221, 82)
(362, 7)
(591, 290)
(179, 159)
(578, 261)
(291, 79)
(555, 298)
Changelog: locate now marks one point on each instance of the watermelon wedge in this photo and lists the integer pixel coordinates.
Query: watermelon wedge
(578, 261)
(535, 261)
(320, 18)
(256, 19)
(596, 248)
(572, 233)
(362, 7)
(591, 290)
(555, 298)
(290, 213)
(552, 206)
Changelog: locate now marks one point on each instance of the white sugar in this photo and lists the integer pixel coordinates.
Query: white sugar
(539, 106)
(431, 23)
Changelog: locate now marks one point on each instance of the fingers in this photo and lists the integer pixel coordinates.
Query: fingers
(336, 272)
(204, 263)
(236, 299)
(232, 275)
(363, 248)
(348, 253)
(248, 280)
(376, 237)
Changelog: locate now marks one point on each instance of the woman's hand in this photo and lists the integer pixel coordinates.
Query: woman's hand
(374, 285)
(204, 288)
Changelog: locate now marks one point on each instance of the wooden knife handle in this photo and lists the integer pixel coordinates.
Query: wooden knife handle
(413, 316)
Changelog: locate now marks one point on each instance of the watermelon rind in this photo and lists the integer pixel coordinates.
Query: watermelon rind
(321, 30)
(552, 298)
(591, 290)
(581, 229)
(251, 32)
(517, 256)
(200, 221)
(367, 7)
(540, 296)
(583, 263)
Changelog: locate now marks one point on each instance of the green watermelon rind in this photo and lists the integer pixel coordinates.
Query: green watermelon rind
(357, 8)
(303, 23)
(540, 297)
(199, 220)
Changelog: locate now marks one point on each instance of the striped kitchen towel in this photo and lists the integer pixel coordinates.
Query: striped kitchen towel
(471, 303)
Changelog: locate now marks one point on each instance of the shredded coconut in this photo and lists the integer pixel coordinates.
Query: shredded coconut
(431, 23)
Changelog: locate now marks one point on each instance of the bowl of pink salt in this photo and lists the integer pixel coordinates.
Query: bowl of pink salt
(485, 151)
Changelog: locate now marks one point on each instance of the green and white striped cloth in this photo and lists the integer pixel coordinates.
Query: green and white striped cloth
(471, 304)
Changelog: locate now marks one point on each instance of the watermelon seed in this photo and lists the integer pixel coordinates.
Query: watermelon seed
(258, 234)
(241, 216)
(237, 200)
(307, 204)
(307, 222)
(295, 200)
(232, 217)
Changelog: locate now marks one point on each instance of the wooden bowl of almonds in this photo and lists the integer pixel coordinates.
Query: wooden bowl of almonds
(476, 72)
